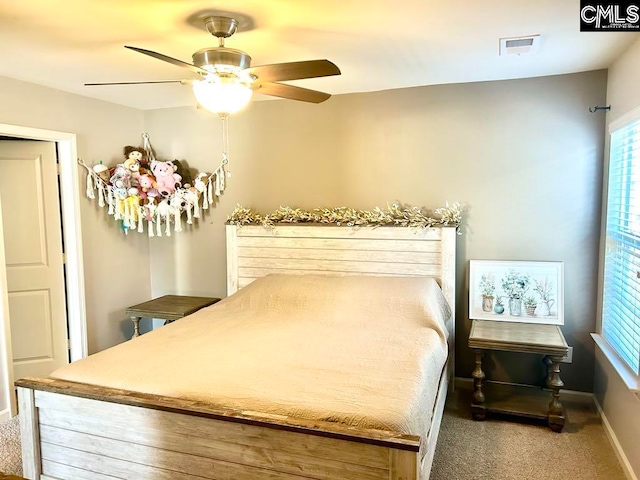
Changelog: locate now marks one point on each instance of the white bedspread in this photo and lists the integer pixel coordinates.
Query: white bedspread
(364, 351)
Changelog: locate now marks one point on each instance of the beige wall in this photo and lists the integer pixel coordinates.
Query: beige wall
(623, 93)
(116, 267)
(620, 406)
(523, 156)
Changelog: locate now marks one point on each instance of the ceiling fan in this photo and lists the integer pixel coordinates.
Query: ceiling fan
(228, 79)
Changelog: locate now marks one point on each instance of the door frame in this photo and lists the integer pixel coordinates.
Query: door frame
(72, 235)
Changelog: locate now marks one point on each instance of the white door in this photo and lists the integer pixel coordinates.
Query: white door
(33, 255)
(8, 407)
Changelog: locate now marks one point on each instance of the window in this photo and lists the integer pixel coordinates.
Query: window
(621, 292)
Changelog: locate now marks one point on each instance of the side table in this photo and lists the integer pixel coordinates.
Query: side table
(545, 340)
(169, 308)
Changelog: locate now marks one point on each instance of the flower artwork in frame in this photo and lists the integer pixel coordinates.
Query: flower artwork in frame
(528, 292)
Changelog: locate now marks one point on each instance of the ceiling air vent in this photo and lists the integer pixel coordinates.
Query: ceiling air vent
(519, 45)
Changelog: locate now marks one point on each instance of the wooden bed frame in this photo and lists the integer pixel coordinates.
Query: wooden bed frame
(80, 431)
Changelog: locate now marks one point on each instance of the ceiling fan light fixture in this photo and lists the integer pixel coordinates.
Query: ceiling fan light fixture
(222, 95)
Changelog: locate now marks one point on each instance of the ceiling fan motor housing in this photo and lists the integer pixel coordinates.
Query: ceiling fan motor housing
(221, 27)
(221, 56)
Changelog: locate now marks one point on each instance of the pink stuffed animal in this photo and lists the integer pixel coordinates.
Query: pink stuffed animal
(146, 183)
(166, 178)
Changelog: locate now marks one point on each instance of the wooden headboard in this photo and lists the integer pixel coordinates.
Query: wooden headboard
(255, 251)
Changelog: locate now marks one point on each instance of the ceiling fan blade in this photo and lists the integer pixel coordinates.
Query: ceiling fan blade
(134, 83)
(171, 60)
(293, 93)
(279, 72)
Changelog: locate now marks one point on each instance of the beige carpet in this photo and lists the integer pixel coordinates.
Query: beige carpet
(469, 450)
(10, 461)
(503, 450)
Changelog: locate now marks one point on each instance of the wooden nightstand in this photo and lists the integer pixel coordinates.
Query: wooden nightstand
(169, 308)
(545, 340)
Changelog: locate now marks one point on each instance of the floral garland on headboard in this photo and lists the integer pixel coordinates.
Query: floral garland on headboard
(394, 215)
(142, 190)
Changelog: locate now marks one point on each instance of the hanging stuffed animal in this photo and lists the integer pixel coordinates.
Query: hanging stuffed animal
(102, 171)
(166, 178)
(192, 207)
(135, 157)
(185, 174)
(121, 180)
(146, 184)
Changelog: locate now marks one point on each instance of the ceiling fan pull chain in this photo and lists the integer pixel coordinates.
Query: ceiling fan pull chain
(225, 146)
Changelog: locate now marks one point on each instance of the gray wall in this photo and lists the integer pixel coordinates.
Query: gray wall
(116, 267)
(523, 156)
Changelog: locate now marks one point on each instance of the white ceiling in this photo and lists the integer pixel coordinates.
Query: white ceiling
(378, 44)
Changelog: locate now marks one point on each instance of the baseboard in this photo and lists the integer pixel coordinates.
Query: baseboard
(611, 435)
(5, 415)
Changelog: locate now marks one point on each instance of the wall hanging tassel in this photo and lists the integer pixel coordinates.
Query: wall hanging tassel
(215, 186)
(196, 210)
(125, 219)
(118, 209)
(90, 186)
(189, 221)
(205, 196)
(100, 195)
(150, 228)
(133, 224)
(167, 221)
(158, 225)
(140, 220)
(128, 215)
(110, 200)
(177, 221)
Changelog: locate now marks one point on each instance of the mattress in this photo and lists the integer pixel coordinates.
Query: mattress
(362, 351)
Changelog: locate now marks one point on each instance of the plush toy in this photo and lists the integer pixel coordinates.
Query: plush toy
(102, 171)
(191, 197)
(121, 180)
(200, 183)
(146, 186)
(134, 158)
(184, 173)
(177, 200)
(166, 178)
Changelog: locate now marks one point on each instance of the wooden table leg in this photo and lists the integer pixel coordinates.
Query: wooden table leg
(478, 407)
(136, 327)
(555, 415)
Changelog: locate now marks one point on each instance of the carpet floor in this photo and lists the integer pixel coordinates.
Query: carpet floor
(504, 450)
(10, 461)
(469, 450)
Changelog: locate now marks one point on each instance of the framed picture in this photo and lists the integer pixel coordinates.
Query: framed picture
(528, 292)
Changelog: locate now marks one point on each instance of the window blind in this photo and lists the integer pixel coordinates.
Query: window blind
(621, 295)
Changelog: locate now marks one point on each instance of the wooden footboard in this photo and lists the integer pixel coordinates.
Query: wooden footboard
(77, 431)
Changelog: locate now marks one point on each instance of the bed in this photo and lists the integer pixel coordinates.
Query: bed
(108, 430)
